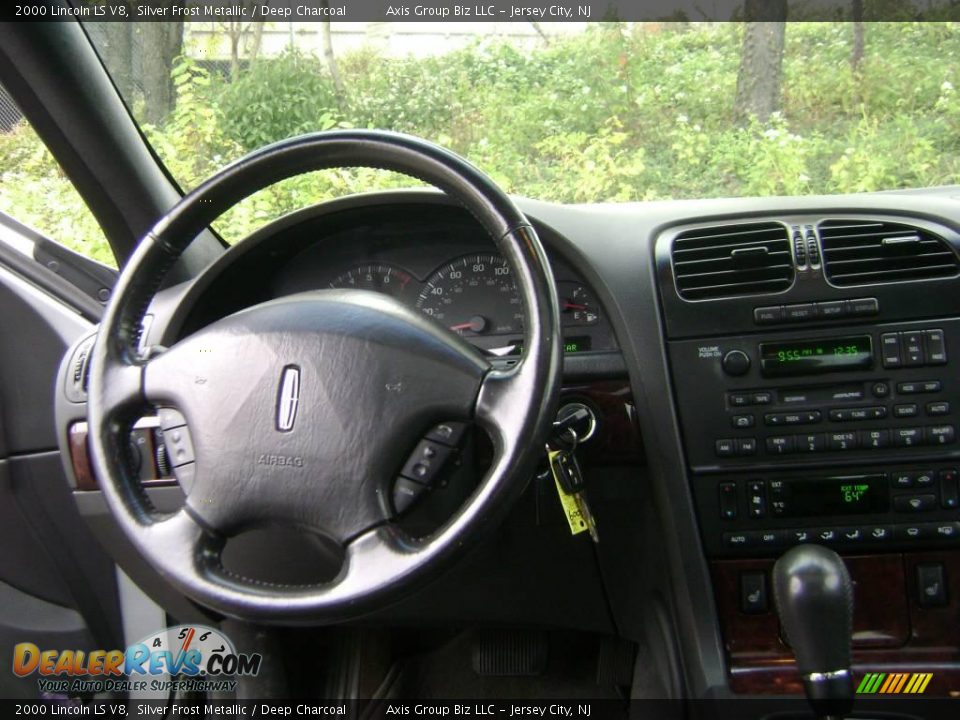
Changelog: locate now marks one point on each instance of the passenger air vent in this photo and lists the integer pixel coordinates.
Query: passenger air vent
(862, 252)
(732, 260)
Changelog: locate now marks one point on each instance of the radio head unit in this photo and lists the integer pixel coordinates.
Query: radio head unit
(815, 356)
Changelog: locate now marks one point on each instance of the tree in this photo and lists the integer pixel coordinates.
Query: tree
(856, 54)
(114, 42)
(330, 57)
(761, 60)
(162, 43)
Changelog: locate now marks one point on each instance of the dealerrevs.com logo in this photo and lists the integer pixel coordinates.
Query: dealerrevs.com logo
(200, 657)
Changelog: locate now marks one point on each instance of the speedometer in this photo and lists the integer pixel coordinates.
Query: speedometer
(474, 295)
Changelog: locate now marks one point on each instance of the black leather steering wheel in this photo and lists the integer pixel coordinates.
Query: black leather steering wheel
(371, 376)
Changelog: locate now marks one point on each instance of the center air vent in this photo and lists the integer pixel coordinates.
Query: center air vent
(862, 252)
(732, 260)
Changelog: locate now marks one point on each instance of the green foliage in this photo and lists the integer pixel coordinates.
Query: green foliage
(618, 113)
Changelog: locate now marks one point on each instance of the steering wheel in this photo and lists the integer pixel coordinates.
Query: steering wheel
(301, 410)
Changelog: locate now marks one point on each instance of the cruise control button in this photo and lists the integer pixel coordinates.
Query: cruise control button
(940, 435)
(179, 446)
(914, 503)
(186, 474)
(426, 461)
(405, 492)
(907, 437)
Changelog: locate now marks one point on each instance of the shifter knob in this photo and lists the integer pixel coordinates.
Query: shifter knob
(814, 599)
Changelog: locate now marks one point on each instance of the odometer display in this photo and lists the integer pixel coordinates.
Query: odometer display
(474, 296)
(816, 356)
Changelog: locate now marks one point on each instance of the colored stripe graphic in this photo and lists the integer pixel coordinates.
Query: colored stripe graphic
(894, 683)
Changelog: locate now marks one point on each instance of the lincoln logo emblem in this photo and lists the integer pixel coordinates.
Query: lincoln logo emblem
(288, 399)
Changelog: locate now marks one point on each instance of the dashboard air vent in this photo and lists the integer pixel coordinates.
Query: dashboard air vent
(861, 252)
(732, 260)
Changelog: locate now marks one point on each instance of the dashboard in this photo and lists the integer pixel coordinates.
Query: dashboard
(766, 372)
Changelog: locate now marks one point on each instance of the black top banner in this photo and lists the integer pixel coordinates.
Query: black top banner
(483, 11)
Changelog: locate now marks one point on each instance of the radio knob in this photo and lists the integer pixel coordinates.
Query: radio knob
(735, 362)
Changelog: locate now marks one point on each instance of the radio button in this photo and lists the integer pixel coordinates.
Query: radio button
(762, 398)
(725, 448)
(907, 437)
(881, 389)
(799, 313)
(747, 446)
(905, 411)
(913, 353)
(842, 441)
(901, 480)
(768, 315)
(909, 388)
(940, 435)
(938, 408)
(877, 412)
(864, 307)
(741, 422)
(890, 350)
(833, 309)
(781, 445)
(936, 347)
(948, 489)
(735, 362)
(874, 439)
(914, 503)
(798, 418)
(813, 443)
(739, 399)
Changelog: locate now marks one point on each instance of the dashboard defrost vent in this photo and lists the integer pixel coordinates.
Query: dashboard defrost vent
(727, 260)
(862, 252)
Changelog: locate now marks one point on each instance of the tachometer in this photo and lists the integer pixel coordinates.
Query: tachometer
(474, 295)
(378, 277)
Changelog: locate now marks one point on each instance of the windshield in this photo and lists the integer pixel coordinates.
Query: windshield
(568, 112)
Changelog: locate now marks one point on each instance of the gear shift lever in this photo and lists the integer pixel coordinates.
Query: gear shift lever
(814, 599)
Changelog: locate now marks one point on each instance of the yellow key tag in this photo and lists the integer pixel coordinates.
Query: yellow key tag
(571, 508)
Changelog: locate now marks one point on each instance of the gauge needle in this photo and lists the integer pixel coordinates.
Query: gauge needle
(477, 323)
(573, 306)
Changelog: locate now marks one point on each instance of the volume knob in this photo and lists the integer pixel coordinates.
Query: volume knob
(735, 362)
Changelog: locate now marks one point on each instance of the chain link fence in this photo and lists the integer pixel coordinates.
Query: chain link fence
(10, 114)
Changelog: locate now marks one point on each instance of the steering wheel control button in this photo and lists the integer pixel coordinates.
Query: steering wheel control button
(405, 493)
(426, 461)
(170, 418)
(736, 362)
(448, 433)
(179, 446)
(186, 474)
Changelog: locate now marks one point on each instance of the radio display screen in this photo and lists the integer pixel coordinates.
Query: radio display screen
(807, 357)
(862, 494)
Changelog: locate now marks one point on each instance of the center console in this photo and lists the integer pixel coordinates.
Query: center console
(815, 364)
